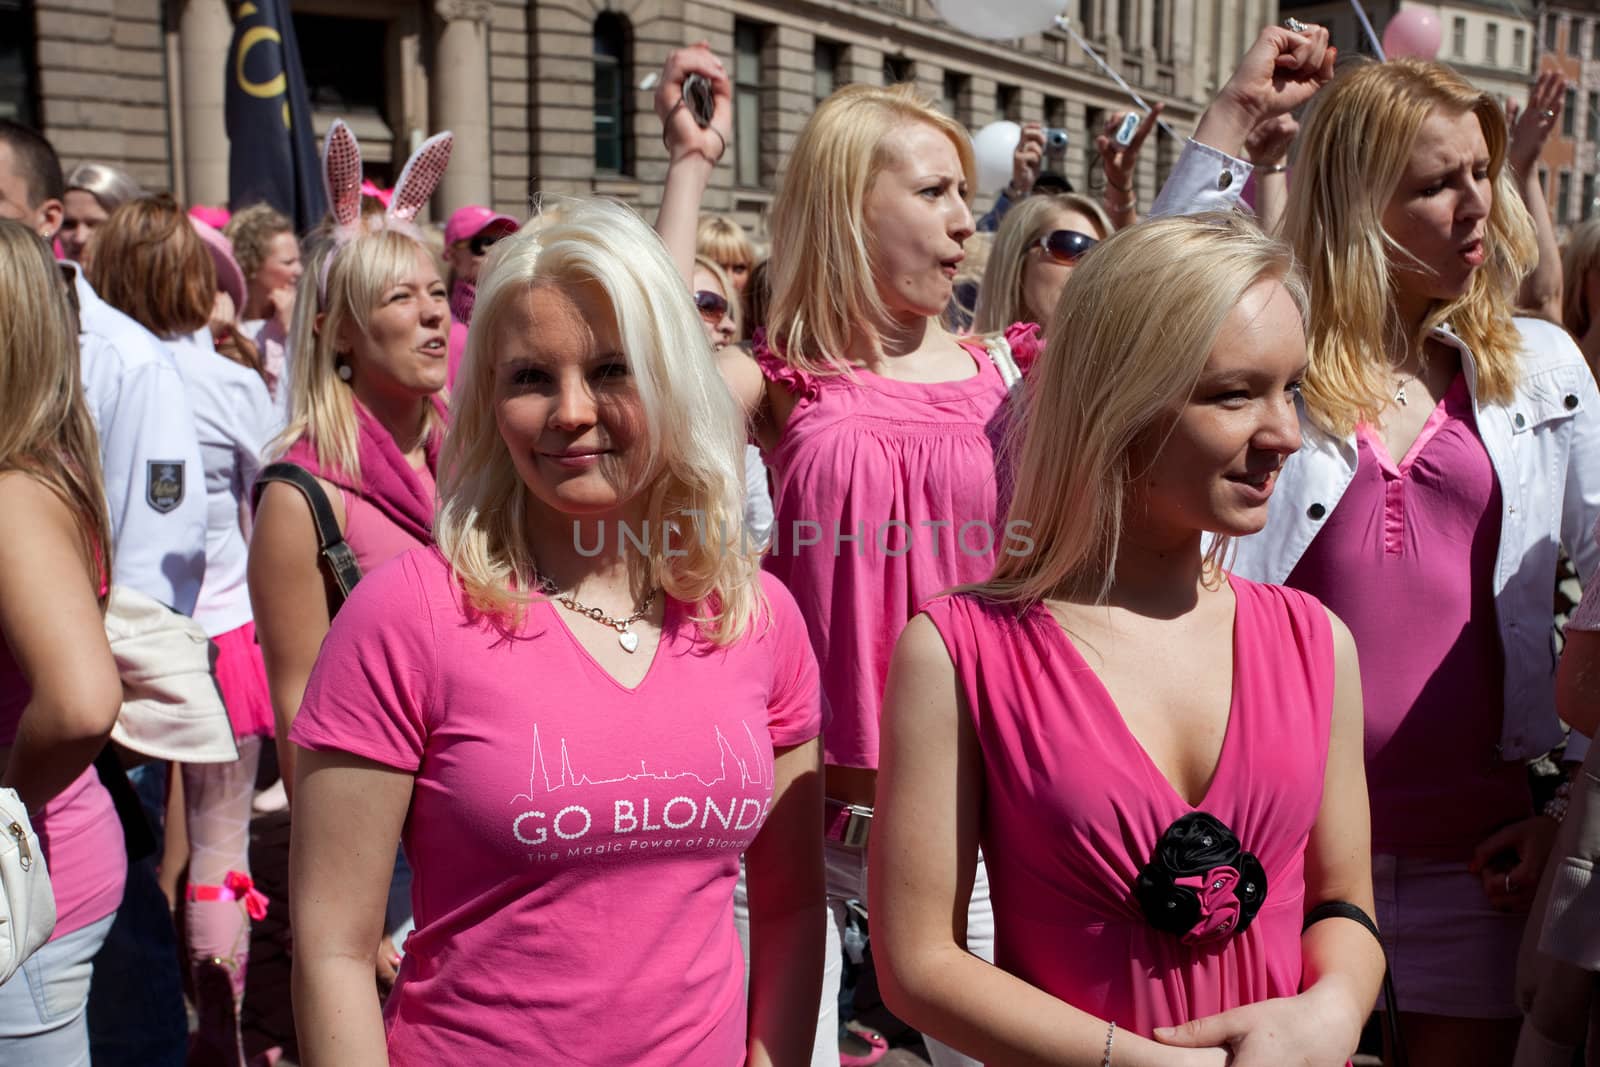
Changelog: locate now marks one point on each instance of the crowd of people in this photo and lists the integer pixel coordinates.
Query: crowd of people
(616, 597)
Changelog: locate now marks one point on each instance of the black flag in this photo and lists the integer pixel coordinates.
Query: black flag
(272, 149)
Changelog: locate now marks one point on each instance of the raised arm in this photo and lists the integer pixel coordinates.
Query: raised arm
(1268, 150)
(1281, 71)
(1531, 127)
(1342, 963)
(347, 817)
(289, 598)
(1119, 161)
(51, 620)
(692, 152)
(924, 853)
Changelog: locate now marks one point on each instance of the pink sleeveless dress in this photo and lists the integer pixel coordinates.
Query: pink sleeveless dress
(885, 496)
(1073, 810)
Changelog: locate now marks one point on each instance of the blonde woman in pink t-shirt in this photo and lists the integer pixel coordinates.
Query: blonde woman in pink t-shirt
(578, 711)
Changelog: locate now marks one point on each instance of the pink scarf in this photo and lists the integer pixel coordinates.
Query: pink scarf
(387, 482)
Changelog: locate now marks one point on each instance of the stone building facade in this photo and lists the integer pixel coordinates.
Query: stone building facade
(1569, 41)
(544, 96)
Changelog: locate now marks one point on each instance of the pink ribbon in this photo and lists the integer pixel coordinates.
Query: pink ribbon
(242, 887)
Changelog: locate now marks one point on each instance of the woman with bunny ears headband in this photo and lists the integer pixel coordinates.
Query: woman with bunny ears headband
(369, 343)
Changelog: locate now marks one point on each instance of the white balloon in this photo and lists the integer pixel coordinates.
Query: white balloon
(994, 145)
(1000, 20)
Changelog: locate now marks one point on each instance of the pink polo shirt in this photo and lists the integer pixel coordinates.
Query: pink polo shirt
(575, 841)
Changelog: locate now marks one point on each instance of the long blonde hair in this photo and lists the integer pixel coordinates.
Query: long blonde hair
(1350, 158)
(46, 429)
(694, 431)
(1135, 327)
(322, 408)
(1000, 301)
(823, 292)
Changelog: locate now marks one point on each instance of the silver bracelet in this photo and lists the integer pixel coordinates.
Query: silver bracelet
(1111, 1035)
(1276, 168)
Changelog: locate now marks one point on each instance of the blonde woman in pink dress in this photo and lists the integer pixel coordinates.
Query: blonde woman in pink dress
(1161, 763)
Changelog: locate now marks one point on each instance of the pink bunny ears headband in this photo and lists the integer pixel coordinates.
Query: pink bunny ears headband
(341, 175)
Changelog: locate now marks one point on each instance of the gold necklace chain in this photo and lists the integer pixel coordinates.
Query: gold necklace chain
(626, 637)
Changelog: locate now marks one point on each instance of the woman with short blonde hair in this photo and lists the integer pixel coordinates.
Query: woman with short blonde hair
(93, 192)
(1037, 245)
(722, 240)
(526, 706)
(1450, 450)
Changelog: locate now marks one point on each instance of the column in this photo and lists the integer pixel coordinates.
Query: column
(204, 33)
(459, 86)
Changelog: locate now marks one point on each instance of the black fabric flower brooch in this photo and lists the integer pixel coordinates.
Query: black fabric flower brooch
(1200, 885)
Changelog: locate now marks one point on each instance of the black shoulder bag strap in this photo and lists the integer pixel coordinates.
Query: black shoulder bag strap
(1342, 909)
(342, 570)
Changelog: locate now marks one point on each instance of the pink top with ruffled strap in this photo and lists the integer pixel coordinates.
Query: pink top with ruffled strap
(1073, 808)
(885, 496)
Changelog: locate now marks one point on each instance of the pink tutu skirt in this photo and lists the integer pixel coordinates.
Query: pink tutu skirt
(242, 677)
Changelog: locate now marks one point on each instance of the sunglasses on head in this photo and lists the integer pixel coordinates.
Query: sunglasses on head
(1066, 246)
(712, 305)
(480, 244)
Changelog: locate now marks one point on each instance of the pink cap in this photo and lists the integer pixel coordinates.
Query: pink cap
(216, 217)
(469, 221)
(230, 279)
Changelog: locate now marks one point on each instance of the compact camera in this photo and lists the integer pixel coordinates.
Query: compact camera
(1055, 140)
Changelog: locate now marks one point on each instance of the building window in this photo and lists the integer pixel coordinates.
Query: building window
(1591, 119)
(956, 86)
(1544, 183)
(17, 74)
(613, 118)
(1569, 113)
(1586, 205)
(1458, 37)
(1564, 196)
(826, 56)
(1159, 29)
(1008, 102)
(748, 39)
(1055, 112)
(1127, 27)
(1519, 49)
(1491, 45)
(898, 69)
(1549, 33)
(1574, 38)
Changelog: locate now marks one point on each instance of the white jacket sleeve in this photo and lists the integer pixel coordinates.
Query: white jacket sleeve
(1203, 179)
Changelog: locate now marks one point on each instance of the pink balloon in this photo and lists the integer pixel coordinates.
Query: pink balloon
(1414, 32)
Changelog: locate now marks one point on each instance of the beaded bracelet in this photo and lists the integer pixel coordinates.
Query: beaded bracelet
(1111, 1035)
(1556, 806)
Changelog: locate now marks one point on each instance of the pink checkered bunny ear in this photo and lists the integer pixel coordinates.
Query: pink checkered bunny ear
(421, 177)
(341, 173)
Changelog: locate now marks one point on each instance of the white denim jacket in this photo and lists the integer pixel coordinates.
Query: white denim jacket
(1545, 449)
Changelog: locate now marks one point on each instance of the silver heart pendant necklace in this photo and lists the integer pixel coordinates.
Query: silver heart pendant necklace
(625, 635)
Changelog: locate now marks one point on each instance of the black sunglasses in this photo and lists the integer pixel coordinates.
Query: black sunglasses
(712, 305)
(480, 244)
(1066, 246)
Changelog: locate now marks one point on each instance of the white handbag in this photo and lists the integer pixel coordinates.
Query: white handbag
(27, 903)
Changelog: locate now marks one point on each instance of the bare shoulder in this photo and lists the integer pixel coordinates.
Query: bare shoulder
(31, 511)
(743, 375)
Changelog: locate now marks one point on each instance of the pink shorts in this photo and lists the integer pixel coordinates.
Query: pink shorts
(242, 677)
(1451, 952)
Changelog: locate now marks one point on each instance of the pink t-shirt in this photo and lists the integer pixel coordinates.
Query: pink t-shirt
(575, 842)
(374, 537)
(78, 829)
(1073, 807)
(1407, 561)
